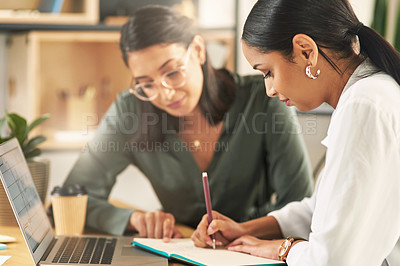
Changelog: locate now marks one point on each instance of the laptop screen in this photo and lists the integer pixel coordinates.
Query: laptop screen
(24, 199)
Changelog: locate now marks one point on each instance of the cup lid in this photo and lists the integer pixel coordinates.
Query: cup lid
(69, 190)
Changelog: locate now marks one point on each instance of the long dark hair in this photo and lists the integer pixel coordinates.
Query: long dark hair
(154, 24)
(332, 24)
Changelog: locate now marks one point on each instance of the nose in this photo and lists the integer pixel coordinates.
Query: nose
(271, 92)
(166, 93)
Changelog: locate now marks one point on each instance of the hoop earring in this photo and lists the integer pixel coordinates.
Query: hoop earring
(308, 73)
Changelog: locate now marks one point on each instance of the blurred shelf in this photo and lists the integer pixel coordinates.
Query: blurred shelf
(73, 75)
(72, 12)
(10, 27)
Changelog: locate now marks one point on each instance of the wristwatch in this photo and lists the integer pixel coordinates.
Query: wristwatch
(286, 246)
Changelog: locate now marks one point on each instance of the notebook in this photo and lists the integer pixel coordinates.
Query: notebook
(44, 247)
(184, 250)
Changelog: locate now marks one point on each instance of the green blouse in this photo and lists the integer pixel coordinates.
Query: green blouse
(260, 152)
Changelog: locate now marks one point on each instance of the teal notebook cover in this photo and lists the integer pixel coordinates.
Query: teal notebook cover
(183, 250)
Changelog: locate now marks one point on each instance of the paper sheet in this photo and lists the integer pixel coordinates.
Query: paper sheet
(4, 259)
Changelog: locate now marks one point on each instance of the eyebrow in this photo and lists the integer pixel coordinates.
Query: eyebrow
(256, 66)
(161, 67)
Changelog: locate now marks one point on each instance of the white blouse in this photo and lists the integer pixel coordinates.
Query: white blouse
(353, 217)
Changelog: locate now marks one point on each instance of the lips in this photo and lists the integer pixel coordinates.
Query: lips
(176, 104)
(286, 101)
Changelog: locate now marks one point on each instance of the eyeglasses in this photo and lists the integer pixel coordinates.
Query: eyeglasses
(147, 91)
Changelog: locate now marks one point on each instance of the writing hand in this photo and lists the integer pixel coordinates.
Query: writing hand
(154, 225)
(224, 228)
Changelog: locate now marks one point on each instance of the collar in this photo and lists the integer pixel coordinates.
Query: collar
(365, 69)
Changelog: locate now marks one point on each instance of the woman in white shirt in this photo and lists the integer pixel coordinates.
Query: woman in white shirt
(310, 52)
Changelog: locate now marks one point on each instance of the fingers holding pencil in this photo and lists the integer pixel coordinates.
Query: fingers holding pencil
(225, 230)
(201, 238)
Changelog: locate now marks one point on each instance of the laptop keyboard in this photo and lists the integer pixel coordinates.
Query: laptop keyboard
(86, 250)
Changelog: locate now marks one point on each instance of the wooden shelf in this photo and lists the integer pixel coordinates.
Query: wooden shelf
(13, 28)
(73, 12)
(73, 75)
(226, 38)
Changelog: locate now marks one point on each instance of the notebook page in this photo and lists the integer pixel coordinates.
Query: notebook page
(185, 249)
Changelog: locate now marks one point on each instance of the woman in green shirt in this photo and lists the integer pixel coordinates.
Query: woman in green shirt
(182, 117)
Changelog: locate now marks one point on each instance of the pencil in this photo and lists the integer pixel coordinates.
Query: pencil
(208, 202)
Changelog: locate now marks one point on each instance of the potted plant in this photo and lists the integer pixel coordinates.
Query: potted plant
(13, 125)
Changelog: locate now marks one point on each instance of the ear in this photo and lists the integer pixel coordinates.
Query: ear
(305, 49)
(199, 48)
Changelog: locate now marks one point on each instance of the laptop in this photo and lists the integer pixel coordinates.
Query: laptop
(44, 247)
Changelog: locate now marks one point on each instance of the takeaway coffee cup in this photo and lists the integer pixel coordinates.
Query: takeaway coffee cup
(69, 209)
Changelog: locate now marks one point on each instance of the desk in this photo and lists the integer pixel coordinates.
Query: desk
(19, 251)
(20, 254)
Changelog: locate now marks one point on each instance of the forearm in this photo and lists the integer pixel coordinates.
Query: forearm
(266, 227)
(103, 216)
